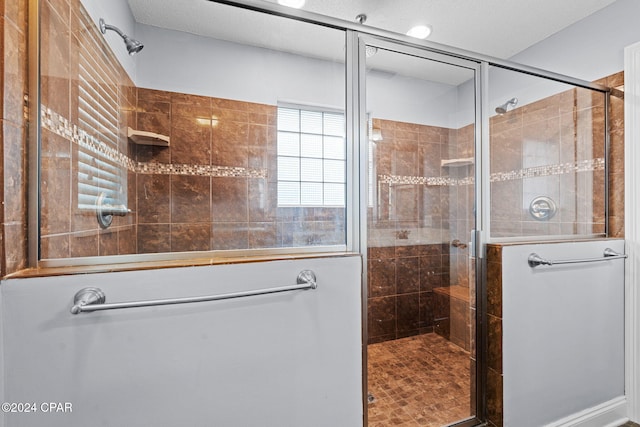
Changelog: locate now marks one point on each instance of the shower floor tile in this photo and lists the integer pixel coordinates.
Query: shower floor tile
(422, 381)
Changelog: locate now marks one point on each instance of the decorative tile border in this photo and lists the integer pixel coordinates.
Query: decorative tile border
(419, 180)
(199, 170)
(550, 170)
(61, 126)
(533, 172)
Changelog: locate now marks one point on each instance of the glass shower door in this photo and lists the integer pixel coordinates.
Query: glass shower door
(421, 112)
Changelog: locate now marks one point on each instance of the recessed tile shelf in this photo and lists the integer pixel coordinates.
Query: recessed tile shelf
(455, 163)
(141, 137)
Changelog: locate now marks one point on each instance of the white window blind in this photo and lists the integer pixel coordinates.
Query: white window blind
(99, 118)
(311, 157)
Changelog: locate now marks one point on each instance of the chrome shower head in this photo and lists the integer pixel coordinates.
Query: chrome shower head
(502, 109)
(133, 45)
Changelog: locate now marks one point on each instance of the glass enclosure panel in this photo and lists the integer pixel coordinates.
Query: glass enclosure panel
(547, 167)
(421, 274)
(191, 144)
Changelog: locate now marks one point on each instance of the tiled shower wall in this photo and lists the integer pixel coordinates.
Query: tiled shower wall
(67, 231)
(13, 131)
(553, 147)
(14, 82)
(214, 188)
(616, 154)
(420, 208)
(421, 202)
(494, 252)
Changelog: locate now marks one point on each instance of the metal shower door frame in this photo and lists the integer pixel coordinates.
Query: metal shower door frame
(360, 122)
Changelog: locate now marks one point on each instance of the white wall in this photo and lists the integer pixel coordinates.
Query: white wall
(563, 332)
(411, 100)
(117, 13)
(591, 48)
(288, 359)
(183, 62)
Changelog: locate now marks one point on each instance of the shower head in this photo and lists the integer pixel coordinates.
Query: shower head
(501, 109)
(133, 45)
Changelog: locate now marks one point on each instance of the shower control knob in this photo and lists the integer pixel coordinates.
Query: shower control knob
(542, 208)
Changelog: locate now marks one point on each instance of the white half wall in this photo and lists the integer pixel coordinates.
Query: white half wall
(287, 359)
(563, 332)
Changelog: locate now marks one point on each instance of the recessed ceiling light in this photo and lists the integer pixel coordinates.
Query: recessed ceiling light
(292, 3)
(420, 31)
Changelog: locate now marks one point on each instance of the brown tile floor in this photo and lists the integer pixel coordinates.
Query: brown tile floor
(418, 381)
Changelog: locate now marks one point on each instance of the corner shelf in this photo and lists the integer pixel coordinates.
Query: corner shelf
(141, 137)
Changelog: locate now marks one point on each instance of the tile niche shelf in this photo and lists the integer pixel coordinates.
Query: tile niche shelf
(141, 137)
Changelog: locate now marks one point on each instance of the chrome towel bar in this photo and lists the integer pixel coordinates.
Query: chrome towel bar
(535, 260)
(93, 299)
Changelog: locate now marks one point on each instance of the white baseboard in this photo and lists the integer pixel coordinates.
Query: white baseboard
(609, 414)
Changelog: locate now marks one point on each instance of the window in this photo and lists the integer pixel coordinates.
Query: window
(311, 157)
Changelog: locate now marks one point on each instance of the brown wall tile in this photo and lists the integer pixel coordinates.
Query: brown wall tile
(407, 314)
(52, 247)
(494, 398)
(108, 242)
(229, 201)
(382, 277)
(190, 199)
(263, 235)
(154, 199)
(15, 251)
(382, 316)
(84, 244)
(154, 238)
(190, 141)
(408, 275)
(229, 235)
(427, 309)
(14, 171)
(190, 237)
(128, 240)
(494, 355)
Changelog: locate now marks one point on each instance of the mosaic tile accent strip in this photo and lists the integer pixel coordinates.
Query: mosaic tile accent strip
(419, 180)
(199, 170)
(61, 126)
(550, 170)
(533, 172)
